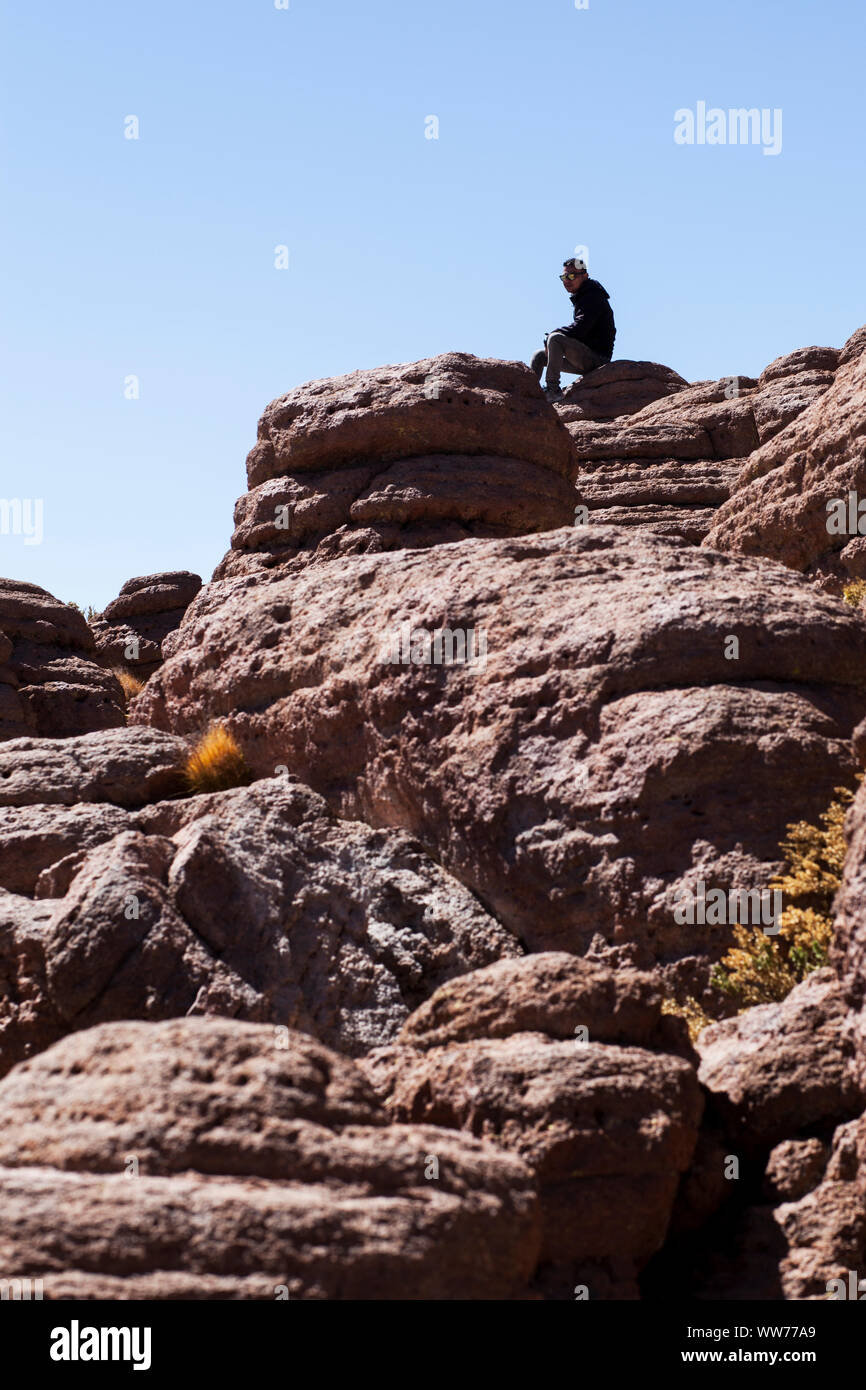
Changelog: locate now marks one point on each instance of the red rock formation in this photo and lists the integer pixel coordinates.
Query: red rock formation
(210, 1159)
(779, 504)
(50, 684)
(131, 630)
(606, 754)
(254, 903)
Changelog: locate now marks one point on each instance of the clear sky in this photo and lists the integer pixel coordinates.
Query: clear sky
(305, 127)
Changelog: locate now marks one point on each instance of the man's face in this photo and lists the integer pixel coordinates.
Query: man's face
(573, 279)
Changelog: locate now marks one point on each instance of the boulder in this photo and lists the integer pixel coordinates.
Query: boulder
(126, 767)
(412, 456)
(255, 903)
(50, 683)
(589, 764)
(674, 461)
(132, 628)
(211, 1159)
(606, 1130)
(619, 388)
(780, 504)
(778, 1069)
(551, 992)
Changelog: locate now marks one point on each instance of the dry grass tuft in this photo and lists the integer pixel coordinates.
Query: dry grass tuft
(129, 684)
(216, 762)
(762, 969)
(855, 592)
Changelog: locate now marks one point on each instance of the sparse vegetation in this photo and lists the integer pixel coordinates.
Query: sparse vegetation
(762, 969)
(88, 613)
(130, 684)
(216, 762)
(689, 1009)
(855, 592)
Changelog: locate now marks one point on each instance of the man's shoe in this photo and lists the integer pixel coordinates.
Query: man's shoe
(553, 393)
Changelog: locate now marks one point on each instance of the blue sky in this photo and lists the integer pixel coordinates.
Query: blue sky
(305, 127)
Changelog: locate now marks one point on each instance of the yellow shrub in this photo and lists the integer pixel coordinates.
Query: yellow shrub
(762, 969)
(129, 684)
(855, 592)
(689, 1009)
(216, 762)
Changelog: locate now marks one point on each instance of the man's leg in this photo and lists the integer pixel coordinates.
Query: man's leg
(539, 362)
(580, 358)
(555, 358)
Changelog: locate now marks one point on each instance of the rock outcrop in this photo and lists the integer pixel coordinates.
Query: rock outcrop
(619, 388)
(780, 1069)
(672, 463)
(50, 684)
(849, 946)
(591, 766)
(210, 1159)
(792, 499)
(254, 903)
(393, 1018)
(606, 1128)
(413, 455)
(132, 629)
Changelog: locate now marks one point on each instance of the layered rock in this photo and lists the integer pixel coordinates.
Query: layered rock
(591, 765)
(673, 462)
(619, 388)
(787, 498)
(254, 903)
(131, 630)
(413, 455)
(210, 1159)
(606, 1128)
(50, 684)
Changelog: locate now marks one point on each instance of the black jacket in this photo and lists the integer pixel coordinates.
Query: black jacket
(593, 318)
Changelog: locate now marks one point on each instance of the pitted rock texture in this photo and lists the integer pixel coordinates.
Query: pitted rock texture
(673, 462)
(263, 1163)
(778, 1069)
(255, 903)
(413, 455)
(50, 683)
(127, 767)
(593, 763)
(549, 992)
(670, 465)
(606, 1128)
(619, 388)
(849, 943)
(781, 505)
(132, 628)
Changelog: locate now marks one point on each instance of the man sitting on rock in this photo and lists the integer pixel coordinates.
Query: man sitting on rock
(587, 342)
